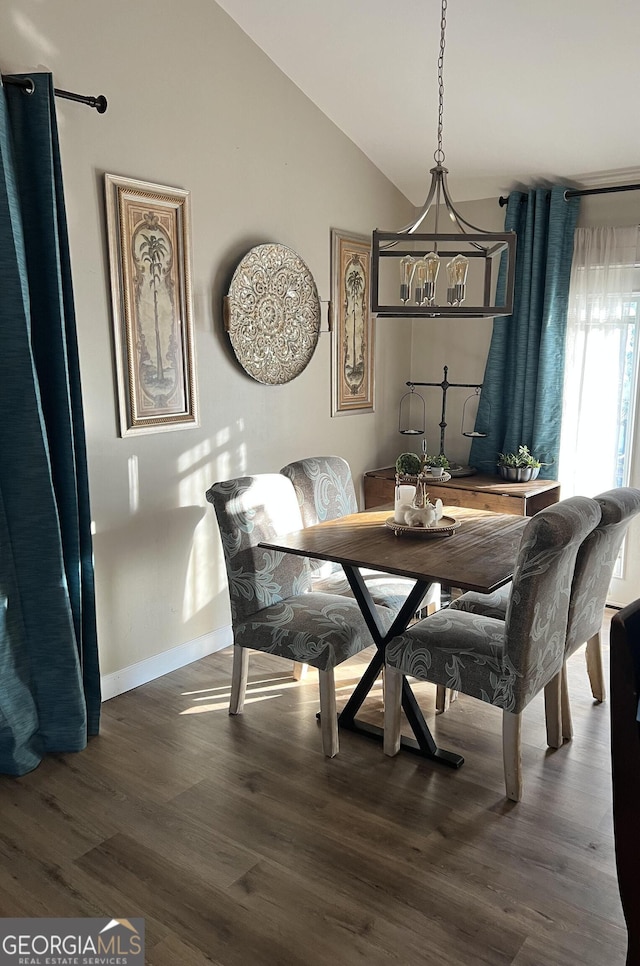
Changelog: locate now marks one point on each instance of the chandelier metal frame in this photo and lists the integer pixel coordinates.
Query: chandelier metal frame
(469, 241)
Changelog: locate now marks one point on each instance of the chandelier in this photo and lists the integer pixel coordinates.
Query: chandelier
(405, 265)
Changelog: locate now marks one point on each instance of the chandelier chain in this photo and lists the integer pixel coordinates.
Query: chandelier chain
(439, 155)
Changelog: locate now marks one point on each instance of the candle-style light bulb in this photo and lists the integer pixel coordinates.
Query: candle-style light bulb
(420, 276)
(457, 272)
(407, 268)
(426, 273)
(433, 267)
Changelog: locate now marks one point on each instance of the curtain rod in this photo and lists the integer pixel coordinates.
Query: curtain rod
(28, 85)
(579, 192)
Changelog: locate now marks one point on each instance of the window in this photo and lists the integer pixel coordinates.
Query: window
(600, 400)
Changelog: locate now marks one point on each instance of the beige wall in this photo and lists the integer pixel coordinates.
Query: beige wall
(193, 103)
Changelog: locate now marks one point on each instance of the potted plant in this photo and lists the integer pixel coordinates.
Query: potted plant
(436, 465)
(519, 467)
(408, 464)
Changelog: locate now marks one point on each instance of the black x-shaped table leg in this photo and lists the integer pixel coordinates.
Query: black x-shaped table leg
(423, 744)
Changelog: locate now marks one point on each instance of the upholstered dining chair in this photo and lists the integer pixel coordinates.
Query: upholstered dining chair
(503, 662)
(593, 572)
(325, 491)
(272, 608)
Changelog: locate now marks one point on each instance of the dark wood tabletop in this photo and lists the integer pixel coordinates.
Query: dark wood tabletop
(480, 555)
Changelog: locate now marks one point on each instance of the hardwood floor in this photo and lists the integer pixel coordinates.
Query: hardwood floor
(241, 845)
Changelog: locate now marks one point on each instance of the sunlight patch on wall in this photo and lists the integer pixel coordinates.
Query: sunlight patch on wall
(231, 460)
(205, 571)
(205, 577)
(29, 30)
(198, 468)
(194, 456)
(223, 458)
(134, 484)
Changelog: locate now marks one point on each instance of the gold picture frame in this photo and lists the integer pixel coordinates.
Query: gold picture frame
(352, 335)
(149, 231)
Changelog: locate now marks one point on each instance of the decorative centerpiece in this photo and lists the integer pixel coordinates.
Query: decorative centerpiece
(421, 516)
(519, 467)
(409, 466)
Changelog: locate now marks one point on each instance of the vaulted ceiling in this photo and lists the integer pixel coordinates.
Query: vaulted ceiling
(545, 90)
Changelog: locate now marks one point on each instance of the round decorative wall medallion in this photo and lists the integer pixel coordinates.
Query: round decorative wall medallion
(272, 314)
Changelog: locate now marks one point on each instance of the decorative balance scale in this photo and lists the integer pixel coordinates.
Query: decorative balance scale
(405, 427)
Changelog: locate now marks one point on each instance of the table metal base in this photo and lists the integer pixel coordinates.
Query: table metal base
(443, 757)
(423, 744)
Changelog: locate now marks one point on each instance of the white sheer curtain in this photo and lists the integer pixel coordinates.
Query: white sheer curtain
(601, 360)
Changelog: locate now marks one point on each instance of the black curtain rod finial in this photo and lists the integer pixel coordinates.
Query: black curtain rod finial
(28, 86)
(99, 102)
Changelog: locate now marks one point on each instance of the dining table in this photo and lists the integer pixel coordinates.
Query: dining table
(478, 553)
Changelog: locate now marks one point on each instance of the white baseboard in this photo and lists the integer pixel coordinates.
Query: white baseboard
(154, 667)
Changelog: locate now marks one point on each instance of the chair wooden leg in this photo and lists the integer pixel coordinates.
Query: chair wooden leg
(238, 679)
(553, 711)
(511, 732)
(567, 722)
(594, 667)
(299, 670)
(428, 609)
(328, 713)
(444, 697)
(392, 710)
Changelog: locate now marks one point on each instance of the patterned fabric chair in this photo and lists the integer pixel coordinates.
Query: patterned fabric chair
(272, 609)
(503, 662)
(594, 569)
(325, 490)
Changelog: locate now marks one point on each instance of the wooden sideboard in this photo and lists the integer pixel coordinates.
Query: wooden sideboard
(480, 492)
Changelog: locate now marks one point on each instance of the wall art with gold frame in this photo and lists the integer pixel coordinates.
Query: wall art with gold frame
(149, 233)
(352, 337)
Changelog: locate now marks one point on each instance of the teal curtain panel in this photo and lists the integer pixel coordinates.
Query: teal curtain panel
(521, 402)
(49, 672)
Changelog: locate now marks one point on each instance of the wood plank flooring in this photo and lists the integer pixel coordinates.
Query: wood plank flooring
(241, 845)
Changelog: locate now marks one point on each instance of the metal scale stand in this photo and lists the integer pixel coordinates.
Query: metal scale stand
(455, 469)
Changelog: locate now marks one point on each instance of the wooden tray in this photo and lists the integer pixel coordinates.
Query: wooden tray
(443, 528)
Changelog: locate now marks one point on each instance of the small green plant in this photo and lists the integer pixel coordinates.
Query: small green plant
(437, 461)
(520, 460)
(408, 464)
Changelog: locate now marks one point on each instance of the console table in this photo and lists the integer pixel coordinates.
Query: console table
(479, 492)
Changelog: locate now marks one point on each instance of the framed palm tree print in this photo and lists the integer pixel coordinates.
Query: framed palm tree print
(352, 343)
(149, 227)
